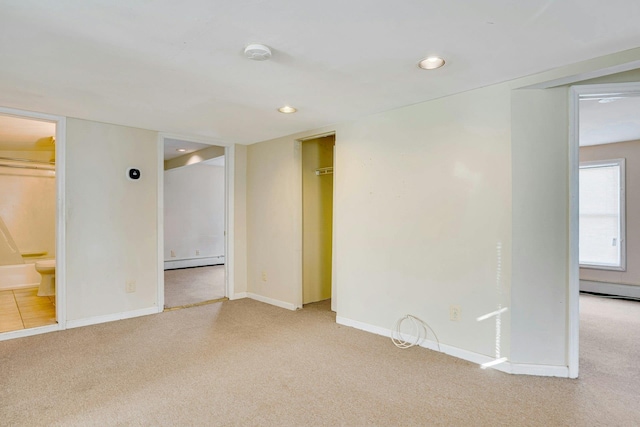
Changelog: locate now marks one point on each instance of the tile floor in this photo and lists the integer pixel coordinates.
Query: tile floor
(23, 309)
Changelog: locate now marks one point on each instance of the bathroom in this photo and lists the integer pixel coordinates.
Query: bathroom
(27, 223)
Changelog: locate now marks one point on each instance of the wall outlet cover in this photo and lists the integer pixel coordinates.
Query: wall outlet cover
(454, 313)
(131, 286)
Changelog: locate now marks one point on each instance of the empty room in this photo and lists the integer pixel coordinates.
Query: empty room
(392, 197)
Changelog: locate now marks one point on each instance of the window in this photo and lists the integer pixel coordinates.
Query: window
(601, 210)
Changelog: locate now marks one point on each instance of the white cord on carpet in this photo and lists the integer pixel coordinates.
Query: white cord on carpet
(420, 332)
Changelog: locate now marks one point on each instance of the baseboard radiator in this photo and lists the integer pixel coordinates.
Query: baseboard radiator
(610, 288)
(193, 262)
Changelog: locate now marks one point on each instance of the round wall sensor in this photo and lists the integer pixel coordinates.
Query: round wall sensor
(257, 52)
(133, 174)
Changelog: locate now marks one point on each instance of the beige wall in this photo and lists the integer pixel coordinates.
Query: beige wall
(422, 201)
(423, 196)
(317, 219)
(274, 242)
(631, 152)
(240, 220)
(111, 222)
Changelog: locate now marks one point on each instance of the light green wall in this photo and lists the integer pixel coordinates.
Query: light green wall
(317, 219)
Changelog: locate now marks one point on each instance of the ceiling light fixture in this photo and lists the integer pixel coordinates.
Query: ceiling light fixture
(182, 150)
(257, 52)
(287, 109)
(431, 63)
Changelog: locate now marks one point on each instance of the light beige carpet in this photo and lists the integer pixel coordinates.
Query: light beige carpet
(247, 363)
(187, 286)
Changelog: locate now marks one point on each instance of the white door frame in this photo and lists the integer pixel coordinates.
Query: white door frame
(61, 300)
(229, 171)
(574, 163)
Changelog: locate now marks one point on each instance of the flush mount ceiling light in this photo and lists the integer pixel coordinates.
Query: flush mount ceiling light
(287, 109)
(182, 150)
(431, 63)
(257, 52)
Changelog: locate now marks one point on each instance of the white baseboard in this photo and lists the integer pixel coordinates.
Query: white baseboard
(29, 332)
(111, 317)
(610, 288)
(539, 370)
(238, 295)
(193, 262)
(507, 367)
(272, 301)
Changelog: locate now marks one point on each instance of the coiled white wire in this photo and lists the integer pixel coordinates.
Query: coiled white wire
(419, 332)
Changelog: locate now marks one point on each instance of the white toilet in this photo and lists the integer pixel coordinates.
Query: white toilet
(47, 269)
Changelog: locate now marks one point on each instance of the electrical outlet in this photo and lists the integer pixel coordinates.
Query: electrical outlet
(264, 276)
(197, 251)
(173, 254)
(454, 313)
(131, 286)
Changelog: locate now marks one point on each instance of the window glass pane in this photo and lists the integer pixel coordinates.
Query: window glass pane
(600, 215)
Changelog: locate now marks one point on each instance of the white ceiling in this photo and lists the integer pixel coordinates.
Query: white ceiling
(172, 145)
(178, 66)
(605, 123)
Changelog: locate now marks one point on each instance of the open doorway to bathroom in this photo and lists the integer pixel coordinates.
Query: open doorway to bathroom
(194, 223)
(27, 223)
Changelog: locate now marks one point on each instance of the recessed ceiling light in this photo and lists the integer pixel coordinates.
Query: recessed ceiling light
(431, 63)
(182, 150)
(287, 109)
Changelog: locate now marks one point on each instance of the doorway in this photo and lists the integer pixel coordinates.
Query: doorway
(317, 160)
(194, 212)
(604, 146)
(28, 223)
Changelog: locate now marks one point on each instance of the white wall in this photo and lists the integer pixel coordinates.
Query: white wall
(540, 226)
(111, 222)
(28, 208)
(424, 194)
(422, 199)
(194, 212)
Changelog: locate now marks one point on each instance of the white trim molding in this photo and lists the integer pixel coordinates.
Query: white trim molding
(21, 333)
(239, 295)
(470, 356)
(271, 301)
(112, 317)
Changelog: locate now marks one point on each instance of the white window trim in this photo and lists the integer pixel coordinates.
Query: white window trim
(623, 219)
